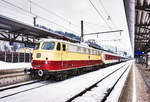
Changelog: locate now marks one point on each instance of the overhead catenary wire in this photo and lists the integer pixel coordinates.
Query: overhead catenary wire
(103, 7)
(57, 15)
(109, 17)
(100, 14)
(17, 7)
(96, 25)
(53, 13)
(37, 15)
(56, 24)
(103, 20)
(8, 12)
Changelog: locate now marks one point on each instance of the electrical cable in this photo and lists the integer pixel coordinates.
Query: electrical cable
(37, 15)
(100, 14)
(109, 17)
(50, 12)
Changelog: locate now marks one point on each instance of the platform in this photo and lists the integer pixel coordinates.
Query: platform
(137, 86)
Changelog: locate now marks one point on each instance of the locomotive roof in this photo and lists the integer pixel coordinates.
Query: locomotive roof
(79, 44)
(76, 44)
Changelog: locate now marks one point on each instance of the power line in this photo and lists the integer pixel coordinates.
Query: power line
(100, 14)
(30, 6)
(50, 12)
(10, 9)
(109, 17)
(56, 24)
(17, 7)
(95, 24)
(37, 15)
(103, 7)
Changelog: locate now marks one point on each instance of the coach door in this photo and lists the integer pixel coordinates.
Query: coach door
(64, 55)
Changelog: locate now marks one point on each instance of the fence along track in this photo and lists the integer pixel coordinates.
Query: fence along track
(18, 85)
(15, 57)
(13, 76)
(25, 90)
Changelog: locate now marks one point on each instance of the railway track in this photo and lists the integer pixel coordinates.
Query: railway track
(13, 76)
(24, 87)
(18, 85)
(15, 91)
(95, 85)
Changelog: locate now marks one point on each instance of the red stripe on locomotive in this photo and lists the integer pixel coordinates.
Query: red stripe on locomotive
(63, 65)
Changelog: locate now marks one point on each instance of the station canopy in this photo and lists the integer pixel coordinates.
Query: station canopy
(142, 26)
(16, 31)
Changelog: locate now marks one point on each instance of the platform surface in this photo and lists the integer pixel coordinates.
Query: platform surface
(140, 92)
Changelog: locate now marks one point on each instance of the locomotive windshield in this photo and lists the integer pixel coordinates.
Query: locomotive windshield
(48, 45)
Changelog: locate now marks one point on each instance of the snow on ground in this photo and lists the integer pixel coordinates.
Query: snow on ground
(5, 65)
(118, 88)
(58, 91)
(97, 93)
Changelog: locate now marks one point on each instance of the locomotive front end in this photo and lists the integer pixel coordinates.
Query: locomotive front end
(43, 54)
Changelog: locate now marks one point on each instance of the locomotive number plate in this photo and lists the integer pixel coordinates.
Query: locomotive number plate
(37, 66)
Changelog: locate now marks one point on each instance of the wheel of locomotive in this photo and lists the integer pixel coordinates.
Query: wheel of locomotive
(73, 72)
(42, 75)
(79, 72)
(59, 77)
(45, 77)
(103, 65)
(33, 73)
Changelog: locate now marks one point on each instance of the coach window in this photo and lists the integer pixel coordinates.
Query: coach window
(106, 57)
(58, 46)
(109, 57)
(99, 53)
(64, 47)
(84, 50)
(89, 51)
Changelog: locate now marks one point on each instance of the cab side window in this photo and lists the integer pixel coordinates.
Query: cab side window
(58, 47)
(64, 47)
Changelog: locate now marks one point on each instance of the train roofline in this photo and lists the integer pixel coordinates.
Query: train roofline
(81, 45)
(76, 44)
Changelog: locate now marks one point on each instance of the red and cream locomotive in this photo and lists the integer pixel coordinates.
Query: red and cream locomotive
(58, 59)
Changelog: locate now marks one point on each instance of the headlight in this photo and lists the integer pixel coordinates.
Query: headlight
(38, 55)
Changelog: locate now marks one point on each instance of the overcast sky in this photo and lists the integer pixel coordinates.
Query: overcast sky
(66, 15)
